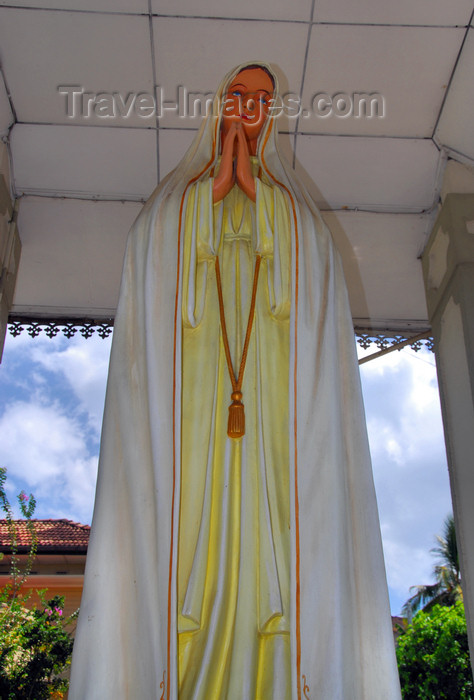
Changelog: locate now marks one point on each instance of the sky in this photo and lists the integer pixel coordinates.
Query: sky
(51, 402)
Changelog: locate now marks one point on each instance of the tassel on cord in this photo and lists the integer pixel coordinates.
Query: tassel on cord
(236, 422)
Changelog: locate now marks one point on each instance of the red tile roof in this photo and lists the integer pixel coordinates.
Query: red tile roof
(53, 536)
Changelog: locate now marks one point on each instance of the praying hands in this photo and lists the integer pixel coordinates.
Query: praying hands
(235, 165)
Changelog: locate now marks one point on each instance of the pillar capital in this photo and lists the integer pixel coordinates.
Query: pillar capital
(10, 245)
(450, 246)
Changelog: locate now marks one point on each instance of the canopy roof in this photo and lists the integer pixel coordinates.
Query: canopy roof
(82, 176)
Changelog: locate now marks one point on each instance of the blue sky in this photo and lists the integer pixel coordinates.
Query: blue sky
(51, 402)
(409, 464)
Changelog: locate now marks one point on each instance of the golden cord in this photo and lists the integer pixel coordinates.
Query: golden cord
(236, 425)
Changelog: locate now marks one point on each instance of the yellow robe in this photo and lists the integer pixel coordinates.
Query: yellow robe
(234, 542)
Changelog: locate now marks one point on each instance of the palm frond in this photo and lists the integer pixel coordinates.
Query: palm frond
(447, 550)
(447, 589)
(423, 595)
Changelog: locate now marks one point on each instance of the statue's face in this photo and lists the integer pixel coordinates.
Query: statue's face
(248, 100)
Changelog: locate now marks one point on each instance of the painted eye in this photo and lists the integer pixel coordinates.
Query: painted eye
(237, 93)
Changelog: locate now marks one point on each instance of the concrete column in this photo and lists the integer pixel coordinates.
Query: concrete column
(10, 246)
(448, 268)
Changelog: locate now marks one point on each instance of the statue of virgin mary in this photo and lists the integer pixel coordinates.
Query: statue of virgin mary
(235, 550)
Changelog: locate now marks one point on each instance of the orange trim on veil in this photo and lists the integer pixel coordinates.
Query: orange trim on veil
(295, 427)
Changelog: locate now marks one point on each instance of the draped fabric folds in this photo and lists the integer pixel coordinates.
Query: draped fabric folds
(234, 544)
(217, 568)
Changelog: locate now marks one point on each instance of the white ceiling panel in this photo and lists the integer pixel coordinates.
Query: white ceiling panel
(244, 9)
(72, 253)
(380, 257)
(173, 145)
(92, 161)
(384, 174)
(42, 51)
(221, 45)
(456, 125)
(409, 67)
(6, 116)
(422, 12)
(73, 249)
(128, 6)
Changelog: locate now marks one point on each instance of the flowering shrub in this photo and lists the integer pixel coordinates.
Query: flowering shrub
(35, 645)
(35, 649)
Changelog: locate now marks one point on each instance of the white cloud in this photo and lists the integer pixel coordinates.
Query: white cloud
(421, 566)
(53, 396)
(42, 435)
(409, 462)
(83, 363)
(45, 451)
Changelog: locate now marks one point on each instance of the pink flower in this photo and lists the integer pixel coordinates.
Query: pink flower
(49, 611)
(59, 611)
(23, 496)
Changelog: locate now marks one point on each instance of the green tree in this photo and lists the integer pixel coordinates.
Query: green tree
(447, 589)
(35, 646)
(433, 656)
